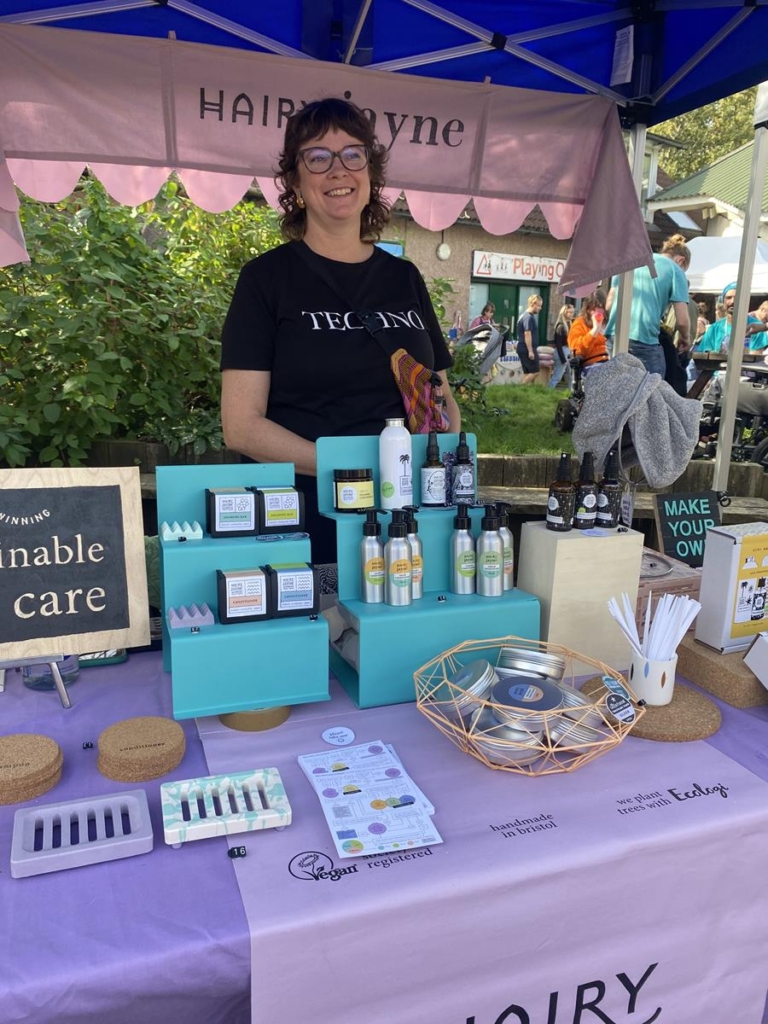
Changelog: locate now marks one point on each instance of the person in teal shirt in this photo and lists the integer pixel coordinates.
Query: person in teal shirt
(718, 334)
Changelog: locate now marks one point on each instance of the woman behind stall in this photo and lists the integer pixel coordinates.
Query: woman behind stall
(562, 367)
(486, 316)
(586, 338)
(297, 362)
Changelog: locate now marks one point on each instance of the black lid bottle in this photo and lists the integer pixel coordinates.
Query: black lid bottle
(585, 513)
(463, 473)
(562, 497)
(609, 493)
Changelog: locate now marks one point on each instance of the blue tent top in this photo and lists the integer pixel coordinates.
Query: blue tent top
(656, 58)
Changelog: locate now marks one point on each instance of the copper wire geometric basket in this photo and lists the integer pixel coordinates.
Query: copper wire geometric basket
(545, 742)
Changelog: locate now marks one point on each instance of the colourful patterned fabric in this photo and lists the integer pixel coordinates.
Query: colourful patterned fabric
(422, 394)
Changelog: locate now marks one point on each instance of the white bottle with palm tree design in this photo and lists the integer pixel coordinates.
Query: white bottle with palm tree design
(395, 465)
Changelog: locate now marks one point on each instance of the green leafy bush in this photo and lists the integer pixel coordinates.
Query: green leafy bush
(112, 331)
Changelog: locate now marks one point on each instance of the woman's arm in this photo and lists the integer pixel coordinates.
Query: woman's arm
(451, 405)
(244, 395)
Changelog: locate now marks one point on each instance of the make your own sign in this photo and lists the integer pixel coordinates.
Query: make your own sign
(72, 569)
(682, 521)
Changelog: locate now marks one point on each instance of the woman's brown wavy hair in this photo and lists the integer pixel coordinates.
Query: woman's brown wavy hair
(312, 122)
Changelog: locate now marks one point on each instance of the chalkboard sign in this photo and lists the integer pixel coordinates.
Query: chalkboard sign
(72, 569)
(682, 521)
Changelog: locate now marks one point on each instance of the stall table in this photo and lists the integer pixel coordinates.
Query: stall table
(629, 891)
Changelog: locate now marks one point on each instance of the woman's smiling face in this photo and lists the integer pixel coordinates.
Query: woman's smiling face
(337, 194)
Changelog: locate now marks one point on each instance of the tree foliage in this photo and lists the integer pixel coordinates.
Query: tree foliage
(708, 133)
(113, 329)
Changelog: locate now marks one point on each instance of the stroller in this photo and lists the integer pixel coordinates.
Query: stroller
(569, 408)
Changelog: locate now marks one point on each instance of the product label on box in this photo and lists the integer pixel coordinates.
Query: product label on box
(246, 596)
(748, 614)
(235, 512)
(281, 507)
(295, 590)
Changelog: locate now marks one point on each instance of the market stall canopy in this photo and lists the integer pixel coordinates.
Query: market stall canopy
(136, 109)
(715, 264)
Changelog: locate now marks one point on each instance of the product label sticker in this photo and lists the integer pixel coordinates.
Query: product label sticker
(295, 590)
(465, 564)
(525, 693)
(281, 508)
(401, 573)
(749, 600)
(620, 707)
(490, 565)
(339, 736)
(246, 596)
(358, 495)
(615, 686)
(235, 512)
(374, 571)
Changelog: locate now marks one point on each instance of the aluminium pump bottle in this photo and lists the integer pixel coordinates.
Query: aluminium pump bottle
(509, 548)
(372, 560)
(463, 564)
(417, 552)
(397, 566)
(490, 556)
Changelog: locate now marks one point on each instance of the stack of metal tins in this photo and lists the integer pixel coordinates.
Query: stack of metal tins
(466, 689)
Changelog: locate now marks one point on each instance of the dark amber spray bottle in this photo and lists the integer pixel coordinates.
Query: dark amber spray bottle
(562, 497)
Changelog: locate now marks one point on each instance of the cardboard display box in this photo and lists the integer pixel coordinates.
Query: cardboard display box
(734, 581)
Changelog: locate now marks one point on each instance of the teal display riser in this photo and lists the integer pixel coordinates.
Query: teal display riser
(238, 666)
(396, 641)
(249, 665)
(189, 568)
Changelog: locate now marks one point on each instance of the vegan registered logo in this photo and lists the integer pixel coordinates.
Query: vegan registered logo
(318, 867)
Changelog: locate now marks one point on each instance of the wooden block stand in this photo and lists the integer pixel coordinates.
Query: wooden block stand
(573, 575)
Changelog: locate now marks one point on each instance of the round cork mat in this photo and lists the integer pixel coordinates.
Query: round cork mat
(255, 721)
(30, 765)
(138, 749)
(688, 716)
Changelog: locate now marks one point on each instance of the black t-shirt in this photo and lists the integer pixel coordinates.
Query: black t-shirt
(329, 376)
(528, 322)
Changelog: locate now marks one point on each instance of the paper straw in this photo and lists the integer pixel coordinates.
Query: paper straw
(663, 628)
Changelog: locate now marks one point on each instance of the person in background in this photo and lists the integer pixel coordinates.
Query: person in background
(297, 363)
(586, 338)
(702, 310)
(528, 339)
(486, 316)
(717, 336)
(761, 313)
(562, 352)
(719, 311)
(651, 297)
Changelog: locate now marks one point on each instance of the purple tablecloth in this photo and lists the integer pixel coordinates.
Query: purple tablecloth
(601, 914)
(154, 939)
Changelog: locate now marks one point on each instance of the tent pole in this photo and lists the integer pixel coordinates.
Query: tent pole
(621, 337)
(743, 291)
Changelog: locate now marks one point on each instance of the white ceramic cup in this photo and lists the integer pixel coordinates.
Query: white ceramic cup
(652, 681)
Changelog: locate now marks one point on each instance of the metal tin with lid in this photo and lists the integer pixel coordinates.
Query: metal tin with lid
(565, 733)
(463, 691)
(552, 666)
(501, 744)
(579, 708)
(522, 702)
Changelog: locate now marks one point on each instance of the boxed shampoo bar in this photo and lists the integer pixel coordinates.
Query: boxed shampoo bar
(733, 586)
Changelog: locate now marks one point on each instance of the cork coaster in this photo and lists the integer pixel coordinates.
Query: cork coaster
(688, 716)
(724, 675)
(139, 749)
(30, 765)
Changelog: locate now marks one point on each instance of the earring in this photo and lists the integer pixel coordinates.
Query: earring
(300, 201)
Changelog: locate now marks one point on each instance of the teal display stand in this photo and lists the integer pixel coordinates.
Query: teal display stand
(239, 667)
(395, 642)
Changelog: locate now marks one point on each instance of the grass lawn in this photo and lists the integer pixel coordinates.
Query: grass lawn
(527, 426)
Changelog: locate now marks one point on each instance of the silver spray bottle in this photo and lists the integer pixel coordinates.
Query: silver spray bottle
(397, 566)
(417, 552)
(490, 556)
(462, 553)
(372, 560)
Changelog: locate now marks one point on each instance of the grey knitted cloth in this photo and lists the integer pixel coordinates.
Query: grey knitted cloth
(664, 426)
